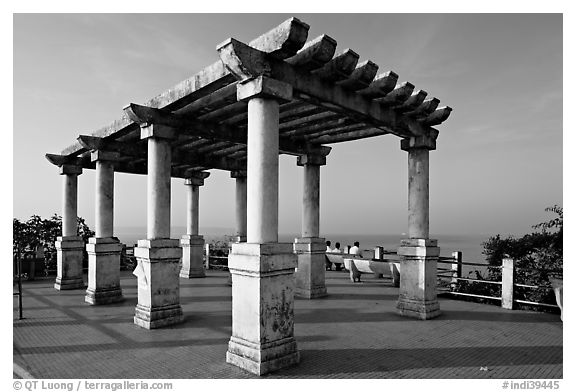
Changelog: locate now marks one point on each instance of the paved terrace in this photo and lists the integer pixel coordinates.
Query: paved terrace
(352, 333)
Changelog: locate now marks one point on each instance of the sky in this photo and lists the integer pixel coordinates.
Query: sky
(498, 162)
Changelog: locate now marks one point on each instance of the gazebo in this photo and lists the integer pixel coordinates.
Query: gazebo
(278, 94)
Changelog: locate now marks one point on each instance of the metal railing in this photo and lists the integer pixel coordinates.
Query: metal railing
(448, 279)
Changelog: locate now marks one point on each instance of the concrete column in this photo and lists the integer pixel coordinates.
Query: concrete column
(104, 198)
(70, 200)
(241, 205)
(159, 177)
(508, 283)
(263, 137)
(192, 243)
(158, 256)
(262, 270)
(241, 210)
(311, 201)
(418, 193)
(70, 246)
(192, 208)
(310, 280)
(104, 249)
(418, 265)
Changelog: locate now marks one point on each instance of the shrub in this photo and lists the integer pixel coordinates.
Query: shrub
(26, 236)
(537, 255)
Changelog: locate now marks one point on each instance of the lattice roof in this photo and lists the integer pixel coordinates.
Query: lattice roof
(334, 99)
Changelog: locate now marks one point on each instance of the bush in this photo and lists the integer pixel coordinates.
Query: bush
(27, 236)
(538, 255)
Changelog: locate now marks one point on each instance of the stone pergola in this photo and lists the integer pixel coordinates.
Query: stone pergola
(278, 94)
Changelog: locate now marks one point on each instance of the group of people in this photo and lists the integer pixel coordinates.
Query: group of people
(354, 250)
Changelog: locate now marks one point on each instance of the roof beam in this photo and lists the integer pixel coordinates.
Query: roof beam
(381, 85)
(427, 108)
(348, 136)
(398, 96)
(246, 62)
(339, 68)
(438, 116)
(98, 143)
(411, 103)
(361, 77)
(192, 126)
(314, 54)
(282, 41)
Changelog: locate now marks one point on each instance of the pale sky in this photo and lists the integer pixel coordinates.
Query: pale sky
(499, 158)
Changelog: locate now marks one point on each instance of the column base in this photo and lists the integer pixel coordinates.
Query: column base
(70, 253)
(262, 307)
(158, 317)
(104, 296)
(261, 359)
(317, 292)
(417, 298)
(192, 256)
(423, 310)
(310, 277)
(69, 284)
(158, 283)
(103, 271)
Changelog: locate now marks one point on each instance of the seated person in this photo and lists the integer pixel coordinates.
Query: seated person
(337, 248)
(355, 250)
(328, 263)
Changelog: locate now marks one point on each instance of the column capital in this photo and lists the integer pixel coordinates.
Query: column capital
(238, 174)
(427, 142)
(70, 169)
(196, 178)
(157, 131)
(108, 156)
(264, 87)
(311, 159)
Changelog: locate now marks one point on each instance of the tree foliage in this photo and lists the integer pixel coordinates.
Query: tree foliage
(538, 255)
(36, 231)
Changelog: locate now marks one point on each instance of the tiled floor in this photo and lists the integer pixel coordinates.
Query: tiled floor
(352, 333)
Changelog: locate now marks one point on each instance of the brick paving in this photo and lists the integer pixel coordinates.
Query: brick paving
(352, 333)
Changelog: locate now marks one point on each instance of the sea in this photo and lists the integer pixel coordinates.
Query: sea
(470, 245)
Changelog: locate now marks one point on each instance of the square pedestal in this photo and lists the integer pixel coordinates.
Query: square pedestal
(70, 253)
(310, 276)
(158, 283)
(192, 256)
(103, 271)
(262, 307)
(417, 297)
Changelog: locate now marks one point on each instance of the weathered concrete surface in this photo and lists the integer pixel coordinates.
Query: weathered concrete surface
(417, 297)
(158, 283)
(309, 278)
(311, 202)
(262, 185)
(418, 184)
(241, 206)
(103, 271)
(104, 199)
(262, 307)
(192, 256)
(158, 200)
(70, 200)
(69, 253)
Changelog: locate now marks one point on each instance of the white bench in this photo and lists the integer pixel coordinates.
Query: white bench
(357, 266)
(336, 259)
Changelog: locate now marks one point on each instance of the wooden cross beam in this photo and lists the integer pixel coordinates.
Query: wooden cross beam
(282, 42)
(194, 127)
(246, 62)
